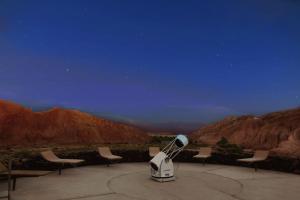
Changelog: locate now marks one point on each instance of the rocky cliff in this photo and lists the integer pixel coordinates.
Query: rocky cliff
(21, 126)
(278, 131)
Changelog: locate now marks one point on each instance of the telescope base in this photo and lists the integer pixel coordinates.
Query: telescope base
(163, 179)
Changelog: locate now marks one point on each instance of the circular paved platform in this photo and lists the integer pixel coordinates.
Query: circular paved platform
(131, 181)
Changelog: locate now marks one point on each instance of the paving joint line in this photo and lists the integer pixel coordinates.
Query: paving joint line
(88, 196)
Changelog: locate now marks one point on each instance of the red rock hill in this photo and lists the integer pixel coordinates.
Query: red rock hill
(20, 126)
(278, 131)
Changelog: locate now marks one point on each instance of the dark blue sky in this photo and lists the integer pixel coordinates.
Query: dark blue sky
(152, 61)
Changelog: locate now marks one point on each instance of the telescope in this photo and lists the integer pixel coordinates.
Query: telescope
(161, 165)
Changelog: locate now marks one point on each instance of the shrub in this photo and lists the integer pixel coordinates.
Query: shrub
(225, 147)
(161, 139)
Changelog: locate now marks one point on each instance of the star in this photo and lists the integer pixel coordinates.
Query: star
(85, 12)
(141, 34)
(126, 76)
(140, 68)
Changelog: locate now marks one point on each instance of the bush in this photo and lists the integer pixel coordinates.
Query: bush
(161, 139)
(225, 147)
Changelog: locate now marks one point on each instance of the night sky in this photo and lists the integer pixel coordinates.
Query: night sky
(152, 61)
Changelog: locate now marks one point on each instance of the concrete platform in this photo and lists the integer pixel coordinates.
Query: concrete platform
(131, 181)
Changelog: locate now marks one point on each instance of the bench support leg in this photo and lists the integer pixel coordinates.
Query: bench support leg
(59, 169)
(14, 183)
(255, 166)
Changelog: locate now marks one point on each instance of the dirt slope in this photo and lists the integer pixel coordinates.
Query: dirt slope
(20, 126)
(278, 131)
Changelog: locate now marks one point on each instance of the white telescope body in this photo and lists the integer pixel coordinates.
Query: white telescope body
(162, 168)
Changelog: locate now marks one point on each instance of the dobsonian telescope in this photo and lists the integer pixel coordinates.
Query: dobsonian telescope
(161, 165)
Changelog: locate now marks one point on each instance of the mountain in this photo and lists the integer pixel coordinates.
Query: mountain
(278, 131)
(170, 127)
(21, 126)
